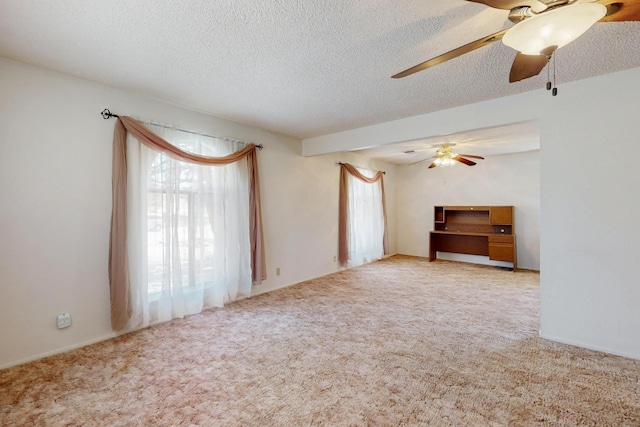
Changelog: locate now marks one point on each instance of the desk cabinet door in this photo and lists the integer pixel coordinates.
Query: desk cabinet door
(501, 215)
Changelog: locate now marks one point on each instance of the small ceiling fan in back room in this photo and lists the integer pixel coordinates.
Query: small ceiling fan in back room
(446, 156)
(540, 27)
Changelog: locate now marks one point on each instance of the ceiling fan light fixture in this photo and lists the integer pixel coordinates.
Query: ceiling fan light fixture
(444, 162)
(556, 27)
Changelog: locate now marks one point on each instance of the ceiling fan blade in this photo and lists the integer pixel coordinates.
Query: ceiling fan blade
(432, 165)
(472, 156)
(463, 160)
(536, 5)
(525, 66)
(452, 54)
(621, 10)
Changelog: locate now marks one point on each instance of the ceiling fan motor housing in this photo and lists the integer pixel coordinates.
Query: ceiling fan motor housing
(520, 13)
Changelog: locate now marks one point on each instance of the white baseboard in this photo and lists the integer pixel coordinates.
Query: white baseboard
(256, 290)
(589, 347)
(58, 351)
(474, 259)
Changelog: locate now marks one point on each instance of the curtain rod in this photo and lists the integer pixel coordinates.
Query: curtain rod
(106, 114)
(361, 167)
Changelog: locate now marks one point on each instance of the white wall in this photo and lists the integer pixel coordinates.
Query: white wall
(55, 193)
(511, 179)
(590, 293)
(588, 204)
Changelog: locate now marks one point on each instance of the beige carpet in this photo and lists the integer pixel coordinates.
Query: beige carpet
(401, 342)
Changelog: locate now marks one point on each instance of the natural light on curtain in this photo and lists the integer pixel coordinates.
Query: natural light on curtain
(366, 220)
(188, 228)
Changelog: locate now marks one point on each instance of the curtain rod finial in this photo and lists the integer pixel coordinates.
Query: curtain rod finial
(106, 114)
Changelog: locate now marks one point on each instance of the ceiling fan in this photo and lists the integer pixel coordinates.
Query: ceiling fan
(446, 156)
(540, 27)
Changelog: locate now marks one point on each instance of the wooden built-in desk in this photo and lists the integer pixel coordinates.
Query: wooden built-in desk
(474, 230)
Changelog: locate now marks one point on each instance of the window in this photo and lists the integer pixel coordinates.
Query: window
(366, 219)
(189, 227)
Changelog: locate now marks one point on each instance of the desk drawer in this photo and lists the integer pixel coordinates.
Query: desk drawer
(501, 252)
(499, 238)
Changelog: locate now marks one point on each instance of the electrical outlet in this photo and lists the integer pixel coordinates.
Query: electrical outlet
(335, 258)
(278, 271)
(64, 320)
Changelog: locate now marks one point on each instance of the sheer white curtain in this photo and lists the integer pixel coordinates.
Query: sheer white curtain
(188, 228)
(366, 220)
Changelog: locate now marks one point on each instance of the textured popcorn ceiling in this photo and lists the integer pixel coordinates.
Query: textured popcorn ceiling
(303, 68)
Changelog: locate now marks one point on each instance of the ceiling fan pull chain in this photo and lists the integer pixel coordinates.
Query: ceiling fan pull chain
(549, 75)
(554, 92)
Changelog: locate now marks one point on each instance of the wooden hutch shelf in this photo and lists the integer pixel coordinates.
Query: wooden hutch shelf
(474, 230)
